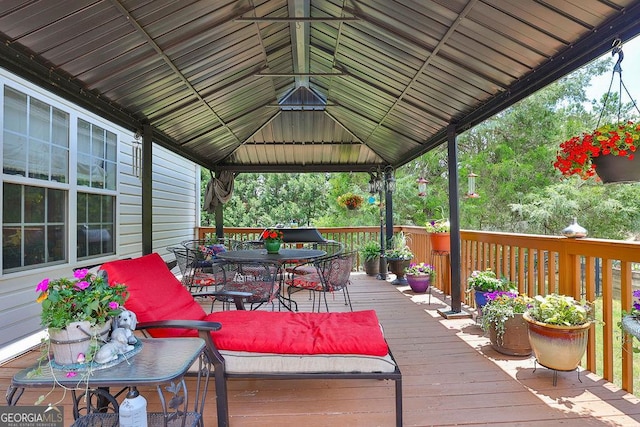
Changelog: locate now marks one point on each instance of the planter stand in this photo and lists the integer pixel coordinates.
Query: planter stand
(555, 371)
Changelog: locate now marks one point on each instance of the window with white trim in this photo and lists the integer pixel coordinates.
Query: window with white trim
(37, 190)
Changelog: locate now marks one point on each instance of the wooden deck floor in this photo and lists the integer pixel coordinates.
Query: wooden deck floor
(451, 376)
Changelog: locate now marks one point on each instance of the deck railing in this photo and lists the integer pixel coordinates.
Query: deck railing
(586, 269)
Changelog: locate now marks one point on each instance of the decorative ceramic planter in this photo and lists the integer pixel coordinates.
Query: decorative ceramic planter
(272, 246)
(372, 267)
(631, 325)
(558, 347)
(68, 343)
(515, 340)
(440, 242)
(481, 299)
(419, 283)
(397, 266)
(617, 169)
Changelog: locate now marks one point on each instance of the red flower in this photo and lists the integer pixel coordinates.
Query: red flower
(272, 234)
(576, 154)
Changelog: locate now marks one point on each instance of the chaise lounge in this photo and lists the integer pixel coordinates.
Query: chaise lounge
(257, 344)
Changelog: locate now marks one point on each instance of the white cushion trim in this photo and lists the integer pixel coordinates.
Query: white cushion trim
(240, 362)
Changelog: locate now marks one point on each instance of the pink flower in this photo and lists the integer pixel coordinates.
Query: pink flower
(113, 305)
(82, 285)
(81, 273)
(71, 374)
(43, 286)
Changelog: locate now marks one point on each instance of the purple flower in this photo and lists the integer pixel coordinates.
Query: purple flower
(71, 374)
(43, 286)
(81, 273)
(113, 305)
(82, 285)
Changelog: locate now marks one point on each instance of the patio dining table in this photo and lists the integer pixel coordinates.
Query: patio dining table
(284, 256)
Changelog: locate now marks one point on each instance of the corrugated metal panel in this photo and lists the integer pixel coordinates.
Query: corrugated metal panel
(220, 80)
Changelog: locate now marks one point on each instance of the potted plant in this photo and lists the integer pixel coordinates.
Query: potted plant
(370, 252)
(399, 258)
(483, 282)
(558, 330)
(350, 201)
(439, 235)
(419, 276)
(77, 313)
(608, 151)
(502, 319)
(630, 322)
(272, 238)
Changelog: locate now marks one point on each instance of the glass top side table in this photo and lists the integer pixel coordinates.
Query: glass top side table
(161, 361)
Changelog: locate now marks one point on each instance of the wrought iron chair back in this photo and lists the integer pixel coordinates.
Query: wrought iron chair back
(332, 273)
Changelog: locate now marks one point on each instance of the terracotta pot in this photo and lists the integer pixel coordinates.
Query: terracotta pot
(617, 169)
(68, 343)
(372, 267)
(440, 242)
(419, 283)
(397, 266)
(558, 347)
(515, 340)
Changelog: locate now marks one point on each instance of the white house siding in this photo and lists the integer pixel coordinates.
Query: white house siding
(175, 198)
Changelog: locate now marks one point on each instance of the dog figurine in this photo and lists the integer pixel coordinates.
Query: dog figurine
(126, 320)
(117, 345)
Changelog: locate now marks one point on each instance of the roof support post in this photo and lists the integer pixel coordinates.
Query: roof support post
(147, 190)
(219, 217)
(388, 204)
(454, 218)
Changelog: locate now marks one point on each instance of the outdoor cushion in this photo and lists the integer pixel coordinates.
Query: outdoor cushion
(156, 294)
(355, 332)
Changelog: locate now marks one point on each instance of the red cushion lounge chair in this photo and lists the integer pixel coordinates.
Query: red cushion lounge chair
(257, 344)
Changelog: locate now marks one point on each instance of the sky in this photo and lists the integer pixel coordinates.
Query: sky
(630, 74)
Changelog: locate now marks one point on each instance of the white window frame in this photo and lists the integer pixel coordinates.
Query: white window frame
(75, 112)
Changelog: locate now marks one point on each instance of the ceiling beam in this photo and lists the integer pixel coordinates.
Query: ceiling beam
(297, 19)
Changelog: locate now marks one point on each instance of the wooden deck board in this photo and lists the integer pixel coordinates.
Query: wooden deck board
(451, 376)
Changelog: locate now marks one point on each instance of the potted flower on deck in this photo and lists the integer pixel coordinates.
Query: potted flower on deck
(77, 313)
(370, 253)
(439, 235)
(609, 151)
(502, 319)
(558, 330)
(482, 283)
(419, 276)
(398, 258)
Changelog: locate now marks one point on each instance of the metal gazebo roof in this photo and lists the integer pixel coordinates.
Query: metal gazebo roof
(304, 85)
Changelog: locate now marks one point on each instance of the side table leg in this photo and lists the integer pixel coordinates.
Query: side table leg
(13, 394)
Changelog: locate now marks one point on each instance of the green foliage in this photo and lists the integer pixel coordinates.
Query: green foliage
(557, 309)
(487, 281)
(370, 250)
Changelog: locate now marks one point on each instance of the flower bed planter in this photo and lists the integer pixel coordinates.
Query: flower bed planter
(558, 347)
(515, 340)
(397, 266)
(419, 283)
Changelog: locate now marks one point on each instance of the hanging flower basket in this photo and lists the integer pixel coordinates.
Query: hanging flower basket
(609, 146)
(350, 201)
